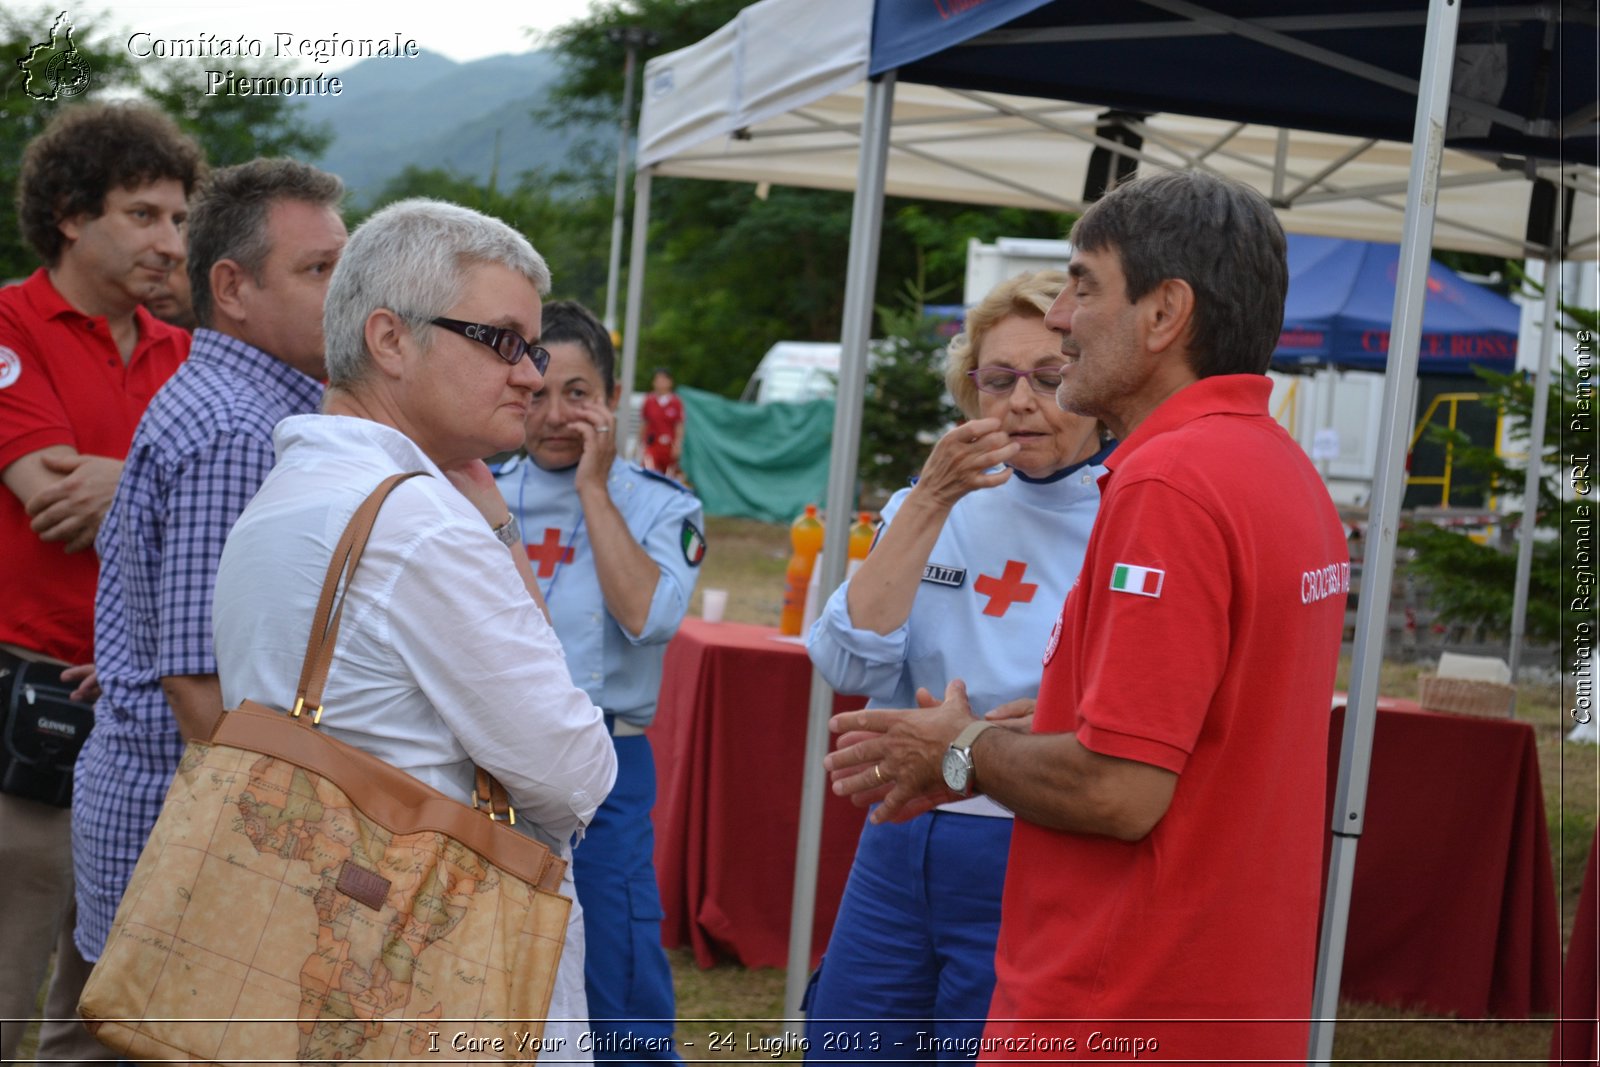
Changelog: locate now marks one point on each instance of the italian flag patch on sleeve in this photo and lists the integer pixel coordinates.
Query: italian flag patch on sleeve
(693, 542)
(1143, 581)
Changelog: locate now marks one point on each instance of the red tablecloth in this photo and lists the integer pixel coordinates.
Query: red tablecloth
(1575, 1035)
(1453, 907)
(729, 740)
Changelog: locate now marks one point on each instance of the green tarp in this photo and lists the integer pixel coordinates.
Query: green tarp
(761, 461)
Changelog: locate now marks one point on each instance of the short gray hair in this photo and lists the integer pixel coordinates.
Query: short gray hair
(412, 258)
(228, 217)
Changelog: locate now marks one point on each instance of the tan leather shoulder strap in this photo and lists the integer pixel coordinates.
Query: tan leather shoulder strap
(489, 796)
(341, 568)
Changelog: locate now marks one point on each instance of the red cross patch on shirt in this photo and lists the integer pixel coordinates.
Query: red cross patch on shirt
(549, 552)
(1005, 590)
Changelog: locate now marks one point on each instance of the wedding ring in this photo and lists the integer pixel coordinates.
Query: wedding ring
(602, 429)
(877, 768)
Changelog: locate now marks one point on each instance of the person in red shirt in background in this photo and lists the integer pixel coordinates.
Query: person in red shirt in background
(102, 197)
(661, 429)
(1164, 883)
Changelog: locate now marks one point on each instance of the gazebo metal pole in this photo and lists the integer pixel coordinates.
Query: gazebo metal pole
(861, 275)
(1377, 577)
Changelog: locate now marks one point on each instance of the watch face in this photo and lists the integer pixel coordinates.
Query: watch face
(957, 768)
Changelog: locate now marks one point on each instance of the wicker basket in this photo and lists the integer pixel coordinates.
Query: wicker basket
(1466, 697)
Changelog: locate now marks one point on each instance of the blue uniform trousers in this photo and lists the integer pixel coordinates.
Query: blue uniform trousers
(910, 964)
(626, 975)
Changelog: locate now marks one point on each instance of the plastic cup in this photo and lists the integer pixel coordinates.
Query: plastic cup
(713, 602)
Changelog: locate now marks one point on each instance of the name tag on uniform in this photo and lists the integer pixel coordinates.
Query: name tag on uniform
(939, 574)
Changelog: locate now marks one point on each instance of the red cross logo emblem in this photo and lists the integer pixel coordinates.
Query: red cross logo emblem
(550, 552)
(1005, 590)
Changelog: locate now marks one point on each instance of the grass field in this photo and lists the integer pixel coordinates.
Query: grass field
(748, 558)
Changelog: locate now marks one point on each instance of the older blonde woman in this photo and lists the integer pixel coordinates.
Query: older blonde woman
(967, 577)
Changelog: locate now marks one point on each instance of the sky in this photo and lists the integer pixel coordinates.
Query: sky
(463, 31)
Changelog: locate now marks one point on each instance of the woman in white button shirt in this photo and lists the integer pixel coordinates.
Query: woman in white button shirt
(445, 657)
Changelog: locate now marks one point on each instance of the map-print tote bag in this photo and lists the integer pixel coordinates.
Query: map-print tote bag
(300, 900)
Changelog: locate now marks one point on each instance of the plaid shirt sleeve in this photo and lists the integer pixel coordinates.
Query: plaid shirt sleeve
(207, 492)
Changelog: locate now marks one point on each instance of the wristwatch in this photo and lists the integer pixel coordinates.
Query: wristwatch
(958, 759)
(507, 532)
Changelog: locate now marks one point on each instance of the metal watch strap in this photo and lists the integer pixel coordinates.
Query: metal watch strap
(507, 532)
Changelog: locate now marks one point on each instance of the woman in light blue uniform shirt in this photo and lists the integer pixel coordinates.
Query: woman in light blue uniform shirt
(616, 550)
(967, 578)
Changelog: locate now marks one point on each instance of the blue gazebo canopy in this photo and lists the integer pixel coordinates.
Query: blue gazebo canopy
(1349, 69)
(1341, 298)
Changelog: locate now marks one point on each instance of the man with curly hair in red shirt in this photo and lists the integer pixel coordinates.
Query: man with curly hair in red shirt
(102, 197)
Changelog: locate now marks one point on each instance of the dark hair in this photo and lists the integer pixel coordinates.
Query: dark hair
(84, 153)
(1218, 235)
(228, 219)
(567, 321)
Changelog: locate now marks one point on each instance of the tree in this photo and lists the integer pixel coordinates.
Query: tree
(23, 117)
(592, 88)
(731, 271)
(231, 129)
(234, 128)
(1472, 584)
(906, 406)
(562, 231)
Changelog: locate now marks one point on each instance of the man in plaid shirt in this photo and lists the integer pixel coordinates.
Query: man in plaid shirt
(263, 241)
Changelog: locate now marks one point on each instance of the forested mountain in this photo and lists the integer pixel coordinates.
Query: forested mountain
(435, 113)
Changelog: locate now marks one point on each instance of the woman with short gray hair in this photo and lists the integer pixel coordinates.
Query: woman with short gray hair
(445, 658)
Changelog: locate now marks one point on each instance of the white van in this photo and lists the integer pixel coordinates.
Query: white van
(989, 265)
(794, 371)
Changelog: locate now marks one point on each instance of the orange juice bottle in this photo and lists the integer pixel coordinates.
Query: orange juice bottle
(862, 533)
(806, 537)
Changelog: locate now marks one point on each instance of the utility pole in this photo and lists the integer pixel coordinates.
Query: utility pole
(632, 38)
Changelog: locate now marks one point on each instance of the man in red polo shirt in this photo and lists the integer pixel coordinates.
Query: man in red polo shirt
(1163, 890)
(102, 198)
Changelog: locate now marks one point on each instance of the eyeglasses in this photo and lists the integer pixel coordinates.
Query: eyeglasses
(507, 343)
(1000, 381)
